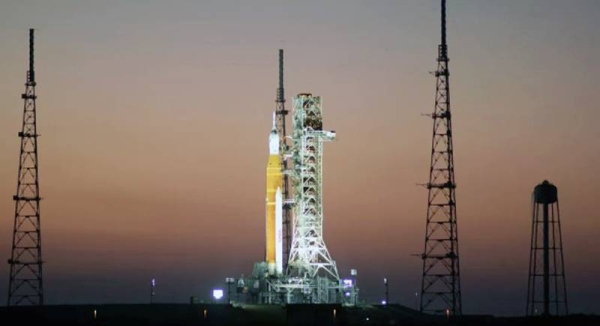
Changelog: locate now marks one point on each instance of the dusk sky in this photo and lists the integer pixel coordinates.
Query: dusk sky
(155, 117)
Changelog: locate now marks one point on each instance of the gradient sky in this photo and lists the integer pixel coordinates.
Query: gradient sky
(155, 116)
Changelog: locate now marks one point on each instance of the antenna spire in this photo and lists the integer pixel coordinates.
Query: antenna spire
(31, 72)
(280, 95)
(443, 22)
(443, 50)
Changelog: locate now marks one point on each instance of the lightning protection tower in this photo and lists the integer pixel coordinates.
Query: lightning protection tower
(25, 281)
(440, 287)
(309, 258)
(546, 286)
(281, 114)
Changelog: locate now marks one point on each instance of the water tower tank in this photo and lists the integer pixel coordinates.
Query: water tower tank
(545, 193)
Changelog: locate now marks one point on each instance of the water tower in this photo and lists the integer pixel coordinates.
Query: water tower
(546, 286)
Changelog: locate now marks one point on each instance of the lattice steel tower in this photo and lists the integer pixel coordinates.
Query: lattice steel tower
(440, 287)
(281, 114)
(546, 286)
(25, 282)
(309, 257)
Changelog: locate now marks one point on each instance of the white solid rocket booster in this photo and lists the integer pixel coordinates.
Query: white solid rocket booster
(279, 231)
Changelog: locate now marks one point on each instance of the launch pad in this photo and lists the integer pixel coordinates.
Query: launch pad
(310, 275)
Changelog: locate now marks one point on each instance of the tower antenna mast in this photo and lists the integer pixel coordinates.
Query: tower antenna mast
(281, 114)
(25, 285)
(440, 287)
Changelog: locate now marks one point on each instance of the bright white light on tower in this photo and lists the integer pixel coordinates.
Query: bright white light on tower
(383, 302)
(347, 282)
(217, 294)
(153, 282)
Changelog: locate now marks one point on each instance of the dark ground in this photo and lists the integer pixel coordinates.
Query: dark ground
(262, 315)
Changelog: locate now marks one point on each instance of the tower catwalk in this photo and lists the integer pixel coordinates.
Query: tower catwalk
(546, 260)
(25, 281)
(281, 114)
(440, 287)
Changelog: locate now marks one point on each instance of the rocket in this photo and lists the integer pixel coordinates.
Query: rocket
(274, 206)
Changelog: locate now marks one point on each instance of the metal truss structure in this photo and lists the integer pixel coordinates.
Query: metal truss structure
(309, 257)
(25, 281)
(440, 287)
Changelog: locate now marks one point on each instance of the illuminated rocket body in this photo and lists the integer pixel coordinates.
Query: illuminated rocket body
(274, 252)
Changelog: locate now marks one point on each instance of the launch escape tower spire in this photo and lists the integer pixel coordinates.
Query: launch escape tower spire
(281, 114)
(546, 260)
(440, 287)
(25, 282)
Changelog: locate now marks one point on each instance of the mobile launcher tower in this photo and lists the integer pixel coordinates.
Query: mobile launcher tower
(311, 275)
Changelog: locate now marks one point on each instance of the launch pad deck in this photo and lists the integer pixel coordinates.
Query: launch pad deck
(263, 315)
